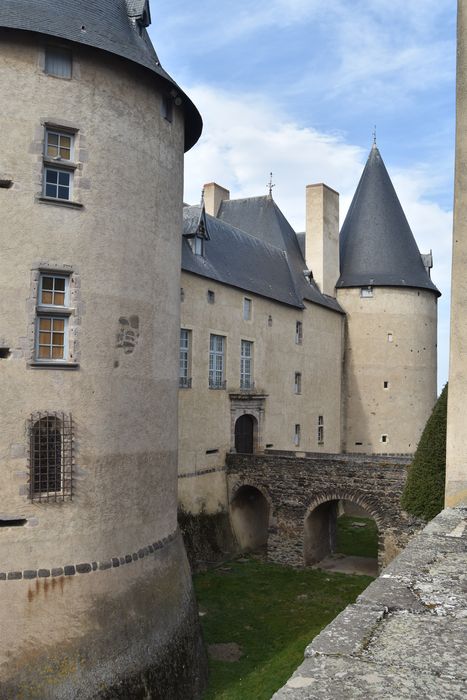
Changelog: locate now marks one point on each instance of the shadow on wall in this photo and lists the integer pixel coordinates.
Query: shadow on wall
(249, 513)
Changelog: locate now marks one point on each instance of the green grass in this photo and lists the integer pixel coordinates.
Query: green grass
(357, 541)
(272, 612)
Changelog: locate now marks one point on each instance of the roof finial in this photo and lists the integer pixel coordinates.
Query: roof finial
(374, 136)
(270, 185)
(202, 198)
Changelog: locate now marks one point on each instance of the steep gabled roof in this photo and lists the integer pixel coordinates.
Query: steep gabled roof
(114, 26)
(377, 247)
(235, 258)
(262, 218)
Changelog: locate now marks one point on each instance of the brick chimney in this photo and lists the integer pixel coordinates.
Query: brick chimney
(322, 236)
(213, 196)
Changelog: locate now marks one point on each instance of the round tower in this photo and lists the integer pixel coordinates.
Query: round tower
(96, 595)
(391, 335)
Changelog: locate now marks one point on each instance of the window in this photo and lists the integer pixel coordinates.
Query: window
(384, 438)
(58, 181)
(167, 108)
(198, 245)
(185, 358)
(246, 365)
(366, 292)
(182, 294)
(269, 321)
(298, 332)
(52, 315)
(216, 361)
(385, 385)
(58, 62)
(298, 383)
(50, 457)
(296, 439)
(320, 430)
(390, 337)
(247, 305)
(211, 296)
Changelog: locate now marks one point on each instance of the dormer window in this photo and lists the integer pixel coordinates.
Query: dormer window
(198, 245)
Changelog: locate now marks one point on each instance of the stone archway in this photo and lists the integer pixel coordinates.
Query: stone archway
(320, 524)
(249, 514)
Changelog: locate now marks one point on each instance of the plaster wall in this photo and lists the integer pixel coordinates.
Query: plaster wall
(456, 459)
(123, 244)
(205, 414)
(390, 337)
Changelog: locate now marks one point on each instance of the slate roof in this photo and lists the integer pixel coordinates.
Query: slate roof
(377, 247)
(108, 25)
(269, 263)
(262, 218)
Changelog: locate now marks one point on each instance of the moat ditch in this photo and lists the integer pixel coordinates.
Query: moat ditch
(258, 617)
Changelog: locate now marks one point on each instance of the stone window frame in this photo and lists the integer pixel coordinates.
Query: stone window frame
(63, 424)
(73, 312)
(298, 332)
(297, 435)
(73, 167)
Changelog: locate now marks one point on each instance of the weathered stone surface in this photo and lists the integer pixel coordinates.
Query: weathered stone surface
(406, 637)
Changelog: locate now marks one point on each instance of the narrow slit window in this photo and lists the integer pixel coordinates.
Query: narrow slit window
(297, 435)
(247, 305)
(298, 332)
(320, 430)
(298, 383)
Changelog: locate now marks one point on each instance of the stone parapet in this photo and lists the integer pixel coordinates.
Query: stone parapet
(405, 637)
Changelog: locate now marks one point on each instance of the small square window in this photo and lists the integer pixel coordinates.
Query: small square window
(386, 385)
(390, 337)
(366, 292)
(247, 305)
(53, 290)
(384, 438)
(211, 296)
(58, 62)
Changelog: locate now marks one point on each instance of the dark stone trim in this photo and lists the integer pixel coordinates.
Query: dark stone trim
(53, 365)
(86, 568)
(202, 472)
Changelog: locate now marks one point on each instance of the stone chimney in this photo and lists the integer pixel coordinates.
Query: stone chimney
(322, 236)
(213, 196)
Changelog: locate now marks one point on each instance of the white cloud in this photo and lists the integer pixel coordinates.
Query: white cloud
(247, 136)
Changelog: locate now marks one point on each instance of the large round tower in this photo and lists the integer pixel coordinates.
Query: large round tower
(391, 336)
(96, 597)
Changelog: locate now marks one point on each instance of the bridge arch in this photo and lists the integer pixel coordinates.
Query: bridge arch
(320, 522)
(250, 515)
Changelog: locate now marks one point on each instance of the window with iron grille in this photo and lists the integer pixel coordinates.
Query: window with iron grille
(50, 457)
(52, 318)
(320, 430)
(246, 365)
(216, 361)
(185, 358)
(298, 332)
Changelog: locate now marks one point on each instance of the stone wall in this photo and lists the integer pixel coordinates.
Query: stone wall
(295, 486)
(405, 636)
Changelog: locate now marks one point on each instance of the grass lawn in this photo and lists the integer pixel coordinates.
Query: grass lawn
(360, 540)
(272, 612)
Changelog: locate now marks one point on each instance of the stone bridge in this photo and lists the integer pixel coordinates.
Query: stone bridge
(290, 503)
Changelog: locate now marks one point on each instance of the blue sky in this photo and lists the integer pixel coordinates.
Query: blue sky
(295, 87)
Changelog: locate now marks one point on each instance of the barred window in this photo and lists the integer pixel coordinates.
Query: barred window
(51, 457)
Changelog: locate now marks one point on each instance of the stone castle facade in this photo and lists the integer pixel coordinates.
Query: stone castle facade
(321, 342)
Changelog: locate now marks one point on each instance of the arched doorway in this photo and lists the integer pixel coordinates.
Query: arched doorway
(343, 531)
(245, 428)
(249, 512)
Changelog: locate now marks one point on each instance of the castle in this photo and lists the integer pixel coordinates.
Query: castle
(314, 342)
(288, 342)
(96, 593)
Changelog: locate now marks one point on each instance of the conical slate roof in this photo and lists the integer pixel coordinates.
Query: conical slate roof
(114, 26)
(377, 247)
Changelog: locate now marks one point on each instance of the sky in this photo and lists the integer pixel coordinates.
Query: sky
(295, 87)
